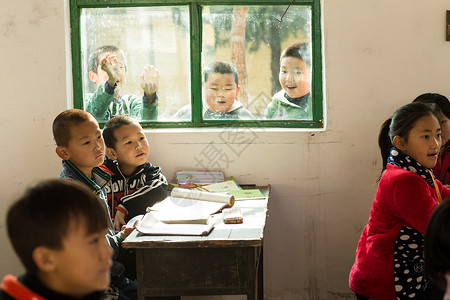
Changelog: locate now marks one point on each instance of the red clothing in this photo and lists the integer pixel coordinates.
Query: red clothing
(443, 164)
(403, 198)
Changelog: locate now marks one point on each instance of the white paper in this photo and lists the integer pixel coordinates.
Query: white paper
(150, 225)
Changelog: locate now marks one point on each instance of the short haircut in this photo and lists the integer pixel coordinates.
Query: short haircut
(64, 121)
(221, 68)
(93, 57)
(298, 50)
(112, 125)
(440, 100)
(437, 243)
(42, 215)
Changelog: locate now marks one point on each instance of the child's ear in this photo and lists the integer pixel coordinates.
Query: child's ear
(399, 143)
(111, 153)
(44, 259)
(62, 153)
(237, 91)
(93, 76)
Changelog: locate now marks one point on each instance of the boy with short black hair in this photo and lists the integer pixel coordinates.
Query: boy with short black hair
(57, 228)
(135, 183)
(294, 101)
(107, 69)
(80, 144)
(220, 89)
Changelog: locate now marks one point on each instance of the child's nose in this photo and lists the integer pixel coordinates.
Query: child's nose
(107, 251)
(437, 143)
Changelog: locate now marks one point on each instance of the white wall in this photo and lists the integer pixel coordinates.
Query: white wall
(379, 54)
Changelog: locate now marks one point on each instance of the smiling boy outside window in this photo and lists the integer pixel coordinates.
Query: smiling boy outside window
(294, 101)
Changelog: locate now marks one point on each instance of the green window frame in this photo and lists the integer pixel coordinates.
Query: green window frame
(195, 32)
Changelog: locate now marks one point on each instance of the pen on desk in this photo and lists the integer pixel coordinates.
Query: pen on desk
(149, 209)
(197, 186)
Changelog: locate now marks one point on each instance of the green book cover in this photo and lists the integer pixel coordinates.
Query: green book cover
(247, 194)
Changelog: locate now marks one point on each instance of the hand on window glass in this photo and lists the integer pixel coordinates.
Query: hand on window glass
(149, 80)
(113, 68)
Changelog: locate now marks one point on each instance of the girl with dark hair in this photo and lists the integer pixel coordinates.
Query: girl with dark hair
(389, 260)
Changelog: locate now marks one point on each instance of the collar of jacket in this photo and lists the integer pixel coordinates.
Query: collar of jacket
(99, 177)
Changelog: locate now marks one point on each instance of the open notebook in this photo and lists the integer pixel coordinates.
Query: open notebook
(190, 206)
(150, 225)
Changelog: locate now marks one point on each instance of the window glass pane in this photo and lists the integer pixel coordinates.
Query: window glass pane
(252, 40)
(152, 54)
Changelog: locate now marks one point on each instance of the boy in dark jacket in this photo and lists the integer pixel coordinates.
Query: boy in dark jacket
(135, 183)
(57, 229)
(80, 144)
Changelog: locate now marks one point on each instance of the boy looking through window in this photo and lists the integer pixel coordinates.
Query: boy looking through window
(220, 89)
(294, 101)
(107, 68)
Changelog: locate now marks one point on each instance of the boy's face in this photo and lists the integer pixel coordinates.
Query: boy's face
(83, 264)
(101, 76)
(295, 77)
(131, 149)
(220, 92)
(86, 148)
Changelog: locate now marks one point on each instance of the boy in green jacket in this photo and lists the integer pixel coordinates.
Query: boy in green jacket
(294, 101)
(107, 68)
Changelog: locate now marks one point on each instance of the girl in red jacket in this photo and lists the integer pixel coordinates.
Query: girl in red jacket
(389, 258)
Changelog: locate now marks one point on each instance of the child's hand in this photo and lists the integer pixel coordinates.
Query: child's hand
(126, 230)
(111, 66)
(149, 80)
(119, 220)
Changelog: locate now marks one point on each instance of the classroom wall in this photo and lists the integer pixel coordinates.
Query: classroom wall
(378, 54)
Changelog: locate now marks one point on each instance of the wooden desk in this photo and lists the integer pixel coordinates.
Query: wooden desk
(229, 261)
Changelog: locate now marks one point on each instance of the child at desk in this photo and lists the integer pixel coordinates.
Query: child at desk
(63, 249)
(80, 145)
(135, 183)
(107, 68)
(293, 102)
(221, 89)
(443, 163)
(389, 257)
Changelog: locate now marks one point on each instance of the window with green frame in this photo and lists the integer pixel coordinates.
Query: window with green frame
(192, 63)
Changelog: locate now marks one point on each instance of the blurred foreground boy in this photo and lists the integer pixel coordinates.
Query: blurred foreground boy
(57, 229)
(80, 144)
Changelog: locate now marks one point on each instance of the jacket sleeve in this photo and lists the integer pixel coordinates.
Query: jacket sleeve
(144, 108)
(414, 201)
(269, 112)
(154, 191)
(445, 192)
(98, 103)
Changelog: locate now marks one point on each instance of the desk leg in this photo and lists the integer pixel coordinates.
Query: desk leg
(260, 276)
(140, 273)
(252, 258)
(255, 289)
